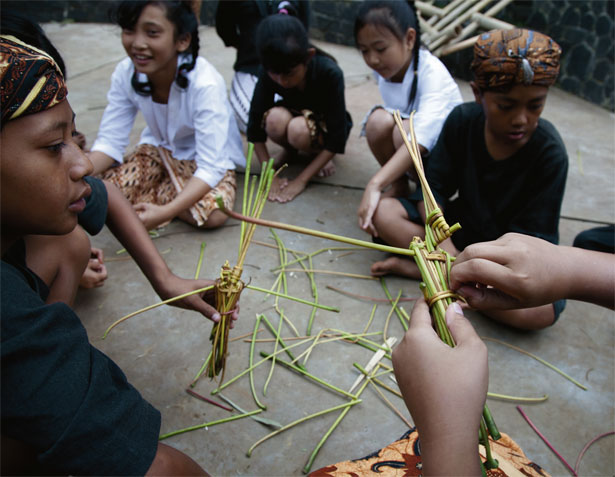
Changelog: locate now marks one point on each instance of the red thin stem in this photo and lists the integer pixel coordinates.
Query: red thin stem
(582, 453)
(546, 441)
(210, 401)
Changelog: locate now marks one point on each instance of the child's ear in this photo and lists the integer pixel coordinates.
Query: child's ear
(311, 52)
(410, 38)
(478, 94)
(183, 42)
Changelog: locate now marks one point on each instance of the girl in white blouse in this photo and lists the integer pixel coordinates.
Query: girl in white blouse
(191, 145)
(410, 79)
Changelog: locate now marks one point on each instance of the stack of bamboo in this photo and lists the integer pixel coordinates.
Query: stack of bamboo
(446, 30)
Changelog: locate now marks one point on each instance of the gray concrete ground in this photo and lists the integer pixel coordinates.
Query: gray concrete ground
(162, 350)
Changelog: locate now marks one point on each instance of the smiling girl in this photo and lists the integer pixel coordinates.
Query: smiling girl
(298, 103)
(191, 144)
(410, 79)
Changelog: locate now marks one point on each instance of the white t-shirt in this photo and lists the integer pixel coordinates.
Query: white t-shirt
(436, 95)
(197, 122)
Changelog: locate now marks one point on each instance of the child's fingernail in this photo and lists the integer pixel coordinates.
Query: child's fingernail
(457, 308)
(215, 317)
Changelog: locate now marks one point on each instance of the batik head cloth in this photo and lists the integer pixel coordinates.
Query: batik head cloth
(510, 57)
(30, 81)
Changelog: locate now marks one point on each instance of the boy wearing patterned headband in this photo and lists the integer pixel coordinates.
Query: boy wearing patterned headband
(497, 166)
(66, 407)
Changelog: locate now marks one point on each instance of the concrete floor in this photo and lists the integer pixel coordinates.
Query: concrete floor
(162, 350)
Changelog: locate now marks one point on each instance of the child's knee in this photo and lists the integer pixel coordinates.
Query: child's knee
(276, 123)
(78, 248)
(379, 125)
(388, 213)
(298, 135)
(216, 219)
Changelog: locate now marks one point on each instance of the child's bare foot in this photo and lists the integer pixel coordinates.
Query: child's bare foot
(396, 266)
(327, 170)
(95, 272)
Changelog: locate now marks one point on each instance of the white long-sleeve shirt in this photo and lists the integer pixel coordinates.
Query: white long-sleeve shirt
(436, 96)
(197, 122)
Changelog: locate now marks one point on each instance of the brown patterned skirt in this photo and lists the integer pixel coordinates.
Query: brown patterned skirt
(151, 175)
(402, 458)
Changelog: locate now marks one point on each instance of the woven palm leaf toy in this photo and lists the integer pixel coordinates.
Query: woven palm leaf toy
(228, 287)
(433, 263)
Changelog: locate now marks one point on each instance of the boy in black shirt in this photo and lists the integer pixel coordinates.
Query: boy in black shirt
(497, 167)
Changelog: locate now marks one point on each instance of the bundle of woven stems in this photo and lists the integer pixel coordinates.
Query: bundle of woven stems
(433, 262)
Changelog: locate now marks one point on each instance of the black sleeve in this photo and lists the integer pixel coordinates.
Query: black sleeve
(94, 216)
(63, 397)
(226, 26)
(336, 117)
(262, 101)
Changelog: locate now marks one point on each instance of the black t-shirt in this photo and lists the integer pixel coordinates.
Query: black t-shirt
(60, 395)
(522, 193)
(323, 95)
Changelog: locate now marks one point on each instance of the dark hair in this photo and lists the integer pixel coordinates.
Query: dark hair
(26, 30)
(396, 16)
(180, 14)
(282, 43)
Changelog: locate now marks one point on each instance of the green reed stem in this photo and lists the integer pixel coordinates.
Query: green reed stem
(298, 300)
(256, 325)
(299, 421)
(390, 298)
(156, 305)
(208, 424)
(311, 376)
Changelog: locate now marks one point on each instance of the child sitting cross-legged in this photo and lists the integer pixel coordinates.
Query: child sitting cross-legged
(66, 407)
(497, 166)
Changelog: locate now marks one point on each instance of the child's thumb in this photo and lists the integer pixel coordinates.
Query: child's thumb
(460, 327)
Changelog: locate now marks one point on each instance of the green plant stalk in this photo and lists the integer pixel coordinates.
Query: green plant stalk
(377, 381)
(201, 371)
(298, 300)
(311, 376)
(371, 318)
(540, 360)
(314, 292)
(200, 262)
(155, 305)
(317, 252)
(275, 348)
(314, 453)
(299, 421)
(306, 354)
(280, 340)
(246, 180)
(506, 397)
(245, 371)
(262, 420)
(315, 233)
(386, 322)
(490, 462)
(208, 424)
(258, 403)
(390, 298)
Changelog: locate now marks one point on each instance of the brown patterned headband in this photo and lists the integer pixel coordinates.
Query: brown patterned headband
(518, 56)
(30, 81)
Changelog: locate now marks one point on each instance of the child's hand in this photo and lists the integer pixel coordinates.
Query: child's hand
(202, 302)
(277, 184)
(369, 203)
(514, 271)
(289, 191)
(152, 215)
(445, 390)
(95, 272)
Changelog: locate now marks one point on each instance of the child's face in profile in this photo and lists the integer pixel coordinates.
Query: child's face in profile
(41, 177)
(383, 52)
(151, 42)
(511, 117)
